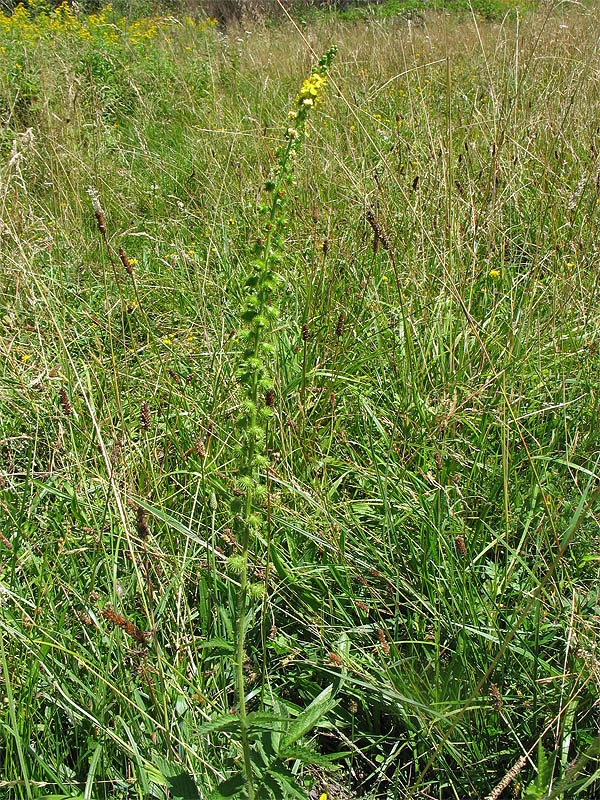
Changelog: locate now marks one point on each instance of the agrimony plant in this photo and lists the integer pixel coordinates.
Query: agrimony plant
(264, 771)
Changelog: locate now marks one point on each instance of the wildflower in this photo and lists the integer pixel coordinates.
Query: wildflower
(494, 273)
(385, 279)
(311, 89)
(167, 340)
(323, 796)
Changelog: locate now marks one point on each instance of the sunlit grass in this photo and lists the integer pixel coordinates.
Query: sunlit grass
(432, 478)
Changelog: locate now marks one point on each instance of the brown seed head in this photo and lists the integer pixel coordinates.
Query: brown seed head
(461, 546)
(145, 419)
(496, 697)
(119, 620)
(65, 403)
(270, 398)
(379, 234)
(305, 332)
(339, 328)
(141, 523)
(383, 641)
(101, 223)
(125, 261)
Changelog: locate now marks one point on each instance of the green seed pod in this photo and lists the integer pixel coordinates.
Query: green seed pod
(236, 564)
(256, 591)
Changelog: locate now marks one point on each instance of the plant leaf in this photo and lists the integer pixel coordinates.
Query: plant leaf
(229, 788)
(305, 721)
(180, 782)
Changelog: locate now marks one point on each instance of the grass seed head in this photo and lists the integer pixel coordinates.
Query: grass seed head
(145, 418)
(65, 403)
(125, 261)
(141, 523)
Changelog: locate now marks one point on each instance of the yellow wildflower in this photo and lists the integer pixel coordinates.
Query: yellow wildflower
(311, 89)
(494, 273)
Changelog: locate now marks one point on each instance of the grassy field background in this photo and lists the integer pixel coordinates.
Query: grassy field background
(432, 479)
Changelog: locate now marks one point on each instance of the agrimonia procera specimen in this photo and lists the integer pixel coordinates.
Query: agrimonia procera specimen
(259, 313)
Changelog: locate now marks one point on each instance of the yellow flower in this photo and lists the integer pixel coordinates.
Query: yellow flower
(385, 278)
(133, 261)
(311, 89)
(25, 358)
(323, 796)
(494, 273)
(167, 341)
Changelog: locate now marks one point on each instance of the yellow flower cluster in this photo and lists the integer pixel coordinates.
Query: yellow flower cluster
(32, 24)
(311, 89)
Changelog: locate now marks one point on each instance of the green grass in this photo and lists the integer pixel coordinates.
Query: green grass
(434, 465)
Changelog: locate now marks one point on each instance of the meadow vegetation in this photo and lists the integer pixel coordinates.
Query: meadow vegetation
(299, 421)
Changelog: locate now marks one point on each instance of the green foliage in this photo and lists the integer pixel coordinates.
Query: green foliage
(389, 391)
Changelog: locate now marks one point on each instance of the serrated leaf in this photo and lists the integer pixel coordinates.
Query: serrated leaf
(225, 722)
(308, 756)
(287, 781)
(275, 787)
(180, 782)
(307, 720)
(264, 720)
(229, 788)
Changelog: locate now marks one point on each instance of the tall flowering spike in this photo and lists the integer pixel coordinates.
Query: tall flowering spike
(259, 313)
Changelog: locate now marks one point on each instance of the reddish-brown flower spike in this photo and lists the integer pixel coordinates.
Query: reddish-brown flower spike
(101, 223)
(496, 697)
(125, 261)
(383, 641)
(119, 620)
(145, 419)
(461, 545)
(339, 328)
(65, 403)
(141, 523)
